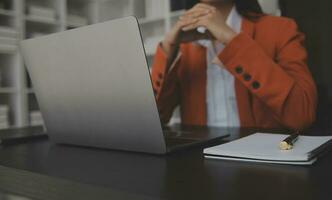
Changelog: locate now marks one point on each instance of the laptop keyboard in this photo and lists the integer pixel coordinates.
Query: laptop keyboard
(176, 134)
(176, 138)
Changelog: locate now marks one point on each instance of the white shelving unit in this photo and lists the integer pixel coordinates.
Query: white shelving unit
(22, 19)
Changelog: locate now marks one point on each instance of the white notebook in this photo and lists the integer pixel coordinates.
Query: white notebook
(264, 147)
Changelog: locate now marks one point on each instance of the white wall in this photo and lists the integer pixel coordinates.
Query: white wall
(270, 6)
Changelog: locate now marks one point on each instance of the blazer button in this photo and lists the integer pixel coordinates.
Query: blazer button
(239, 70)
(246, 77)
(158, 83)
(160, 76)
(256, 85)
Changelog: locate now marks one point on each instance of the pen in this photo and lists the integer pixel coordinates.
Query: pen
(288, 143)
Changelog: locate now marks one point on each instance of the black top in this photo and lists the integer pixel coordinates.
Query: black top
(40, 170)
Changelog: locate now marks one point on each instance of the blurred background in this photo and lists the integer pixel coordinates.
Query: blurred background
(22, 19)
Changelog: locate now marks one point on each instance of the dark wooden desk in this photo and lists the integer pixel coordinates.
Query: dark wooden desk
(40, 170)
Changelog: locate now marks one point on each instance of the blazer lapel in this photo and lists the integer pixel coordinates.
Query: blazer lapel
(248, 27)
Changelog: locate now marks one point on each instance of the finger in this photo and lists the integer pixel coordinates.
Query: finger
(202, 7)
(199, 23)
(186, 22)
(194, 15)
(190, 27)
(196, 10)
(205, 6)
(202, 18)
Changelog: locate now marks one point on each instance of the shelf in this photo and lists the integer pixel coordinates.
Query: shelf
(75, 25)
(8, 49)
(79, 2)
(26, 19)
(74, 20)
(8, 13)
(177, 13)
(41, 20)
(7, 90)
(72, 25)
(10, 127)
(144, 21)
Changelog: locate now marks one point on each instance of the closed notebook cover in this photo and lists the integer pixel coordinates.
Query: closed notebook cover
(309, 162)
(263, 146)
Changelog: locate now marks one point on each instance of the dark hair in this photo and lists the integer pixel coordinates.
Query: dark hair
(249, 9)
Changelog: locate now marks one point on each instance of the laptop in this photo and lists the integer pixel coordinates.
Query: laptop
(94, 89)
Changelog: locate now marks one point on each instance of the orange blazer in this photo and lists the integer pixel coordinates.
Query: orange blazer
(273, 85)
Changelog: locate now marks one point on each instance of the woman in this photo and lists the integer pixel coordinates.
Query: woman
(249, 69)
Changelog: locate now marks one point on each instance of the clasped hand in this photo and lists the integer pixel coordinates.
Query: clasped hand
(201, 15)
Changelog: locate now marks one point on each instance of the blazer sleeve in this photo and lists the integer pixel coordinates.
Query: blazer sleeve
(284, 83)
(165, 83)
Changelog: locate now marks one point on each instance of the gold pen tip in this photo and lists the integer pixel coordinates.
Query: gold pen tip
(285, 146)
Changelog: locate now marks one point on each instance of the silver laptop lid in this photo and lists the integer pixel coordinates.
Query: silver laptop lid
(94, 88)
